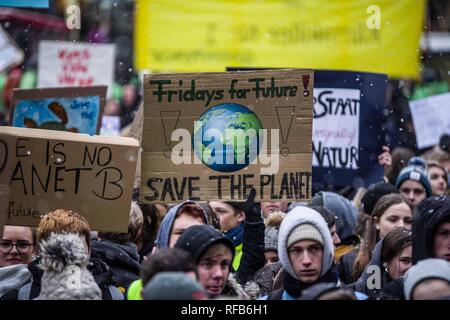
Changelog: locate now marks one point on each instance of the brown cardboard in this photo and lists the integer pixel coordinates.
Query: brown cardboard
(41, 169)
(291, 114)
(63, 92)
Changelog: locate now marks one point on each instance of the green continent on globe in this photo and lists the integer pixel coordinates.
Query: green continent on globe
(224, 129)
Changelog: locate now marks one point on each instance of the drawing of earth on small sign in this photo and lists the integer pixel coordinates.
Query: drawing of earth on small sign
(227, 137)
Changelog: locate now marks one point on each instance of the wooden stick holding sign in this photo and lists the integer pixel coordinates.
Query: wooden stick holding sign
(47, 170)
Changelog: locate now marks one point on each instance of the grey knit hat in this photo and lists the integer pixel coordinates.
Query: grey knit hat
(423, 270)
(304, 232)
(271, 238)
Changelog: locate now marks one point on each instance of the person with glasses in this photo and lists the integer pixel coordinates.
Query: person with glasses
(16, 246)
(413, 181)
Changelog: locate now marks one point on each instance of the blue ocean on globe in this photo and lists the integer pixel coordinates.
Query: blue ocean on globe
(225, 137)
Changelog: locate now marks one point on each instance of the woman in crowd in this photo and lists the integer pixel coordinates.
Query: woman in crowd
(391, 258)
(391, 211)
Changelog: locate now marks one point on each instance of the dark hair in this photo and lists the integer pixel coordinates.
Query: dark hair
(372, 235)
(328, 216)
(213, 218)
(168, 259)
(394, 242)
(193, 210)
(150, 226)
(400, 157)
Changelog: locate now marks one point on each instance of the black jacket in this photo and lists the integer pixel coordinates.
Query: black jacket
(393, 290)
(361, 284)
(345, 267)
(100, 271)
(123, 260)
(253, 257)
(428, 215)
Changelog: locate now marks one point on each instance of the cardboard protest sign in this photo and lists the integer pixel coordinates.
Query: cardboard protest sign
(431, 118)
(76, 110)
(70, 64)
(347, 127)
(10, 54)
(214, 136)
(47, 170)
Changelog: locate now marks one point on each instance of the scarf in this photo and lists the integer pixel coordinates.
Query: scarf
(295, 287)
(236, 235)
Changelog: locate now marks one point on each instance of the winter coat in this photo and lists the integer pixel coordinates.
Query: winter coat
(361, 284)
(428, 215)
(345, 266)
(233, 290)
(101, 272)
(394, 290)
(261, 283)
(252, 258)
(122, 259)
(13, 277)
(343, 209)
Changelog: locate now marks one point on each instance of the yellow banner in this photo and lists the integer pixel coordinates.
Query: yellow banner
(366, 35)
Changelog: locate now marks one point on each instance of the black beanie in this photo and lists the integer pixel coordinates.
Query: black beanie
(374, 193)
(196, 239)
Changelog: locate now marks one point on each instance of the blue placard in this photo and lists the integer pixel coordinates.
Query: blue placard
(347, 128)
(80, 114)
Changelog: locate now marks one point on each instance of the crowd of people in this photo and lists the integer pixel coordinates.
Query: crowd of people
(390, 241)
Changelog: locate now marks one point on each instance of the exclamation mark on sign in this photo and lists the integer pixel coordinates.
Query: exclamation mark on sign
(169, 123)
(285, 116)
(305, 78)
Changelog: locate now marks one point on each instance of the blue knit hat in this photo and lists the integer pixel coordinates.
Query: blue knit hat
(417, 171)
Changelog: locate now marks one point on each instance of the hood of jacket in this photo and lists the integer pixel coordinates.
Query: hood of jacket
(122, 256)
(428, 215)
(296, 217)
(122, 261)
(345, 212)
(162, 240)
(375, 262)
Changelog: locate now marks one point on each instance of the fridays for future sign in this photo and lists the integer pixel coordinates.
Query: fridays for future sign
(214, 136)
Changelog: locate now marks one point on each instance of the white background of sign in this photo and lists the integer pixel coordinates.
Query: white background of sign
(431, 118)
(97, 68)
(336, 130)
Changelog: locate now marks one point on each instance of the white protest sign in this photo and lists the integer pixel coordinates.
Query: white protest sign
(73, 64)
(10, 54)
(336, 128)
(431, 118)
